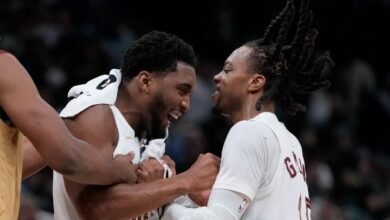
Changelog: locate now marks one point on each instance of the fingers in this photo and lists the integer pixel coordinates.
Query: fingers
(126, 160)
(128, 157)
(211, 156)
(204, 171)
(151, 165)
(150, 170)
(171, 164)
(131, 155)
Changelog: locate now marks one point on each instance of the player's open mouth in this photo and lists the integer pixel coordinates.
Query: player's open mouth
(215, 95)
(173, 116)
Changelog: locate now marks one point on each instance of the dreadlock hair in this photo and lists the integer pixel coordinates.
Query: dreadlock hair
(288, 68)
(156, 52)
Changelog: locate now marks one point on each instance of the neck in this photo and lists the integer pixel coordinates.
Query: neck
(249, 111)
(130, 108)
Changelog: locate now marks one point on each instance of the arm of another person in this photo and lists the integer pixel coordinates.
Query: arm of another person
(125, 201)
(41, 124)
(32, 160)
(242, 166)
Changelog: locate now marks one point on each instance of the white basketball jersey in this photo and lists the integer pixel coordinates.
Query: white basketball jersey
(262, 160)
(63, 207)
(286, 196)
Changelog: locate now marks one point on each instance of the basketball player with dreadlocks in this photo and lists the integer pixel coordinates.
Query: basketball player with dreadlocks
(262, 173)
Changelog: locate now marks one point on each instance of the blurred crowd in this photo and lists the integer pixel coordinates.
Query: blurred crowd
(344, 133)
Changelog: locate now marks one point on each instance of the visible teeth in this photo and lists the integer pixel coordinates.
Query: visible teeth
(175, 115)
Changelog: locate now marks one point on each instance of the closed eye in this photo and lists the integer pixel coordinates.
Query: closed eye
(227, 67)
(226, 70)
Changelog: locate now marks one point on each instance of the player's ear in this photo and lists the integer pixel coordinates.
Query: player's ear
(144, 81)
(256, 83)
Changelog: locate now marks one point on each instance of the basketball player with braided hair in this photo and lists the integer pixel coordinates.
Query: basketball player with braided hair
(262, 173)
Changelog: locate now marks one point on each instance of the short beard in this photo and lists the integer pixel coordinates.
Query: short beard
(157, 129)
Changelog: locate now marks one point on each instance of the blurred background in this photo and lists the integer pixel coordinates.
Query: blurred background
(345, 133)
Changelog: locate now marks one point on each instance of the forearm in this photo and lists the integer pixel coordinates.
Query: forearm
(94, 167)
(223, 205)
(42, 125)
(47, 133)
(78, 160)
(75, 159)
(125, 201)
(32, 160)
(179, 212)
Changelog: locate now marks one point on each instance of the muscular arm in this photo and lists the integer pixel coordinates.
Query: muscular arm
(75, 159)
(123, 201)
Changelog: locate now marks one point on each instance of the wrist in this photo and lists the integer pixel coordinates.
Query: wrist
(125, 174)
(186, 183)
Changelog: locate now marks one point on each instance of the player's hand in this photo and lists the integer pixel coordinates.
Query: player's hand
(130, 175)
(202, 173)
(171, 164)
(201, 198)
(150, 170)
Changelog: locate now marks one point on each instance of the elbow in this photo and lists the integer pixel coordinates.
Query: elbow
(69, 163)
(65, 167)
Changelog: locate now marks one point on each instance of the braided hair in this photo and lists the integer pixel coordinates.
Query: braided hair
(288, 67)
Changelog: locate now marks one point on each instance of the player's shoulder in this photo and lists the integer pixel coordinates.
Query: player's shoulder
(95, 122)
(241, 126)
(250, 126)
(250, 130)
(97, 117)
(97, 113)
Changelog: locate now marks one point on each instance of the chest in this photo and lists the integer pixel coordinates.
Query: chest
(128, 143)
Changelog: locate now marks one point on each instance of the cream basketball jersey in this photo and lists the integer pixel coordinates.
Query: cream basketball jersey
(102, 90)
(63, 206)
(269, 169)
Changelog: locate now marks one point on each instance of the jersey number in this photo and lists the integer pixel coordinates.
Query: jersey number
(106, 82)
(308, 207)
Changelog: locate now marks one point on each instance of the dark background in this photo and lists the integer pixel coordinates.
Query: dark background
(345, 133)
